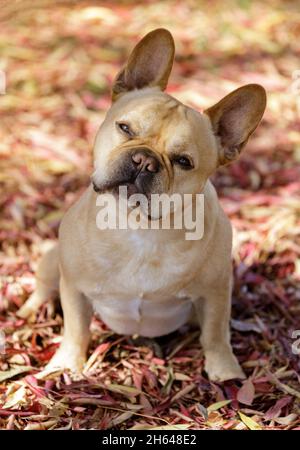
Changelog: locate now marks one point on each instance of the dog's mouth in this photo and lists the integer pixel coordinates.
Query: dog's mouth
(117, 188)
(135, 177)
(139, 169)
(125, 190)
(137, 183)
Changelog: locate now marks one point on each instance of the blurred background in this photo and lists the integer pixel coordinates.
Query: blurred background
(60, 59)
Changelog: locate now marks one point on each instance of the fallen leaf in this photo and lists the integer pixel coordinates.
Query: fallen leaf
(6, 375)
(246, 393)
(249, 422)
(218, 405)
(275, 410)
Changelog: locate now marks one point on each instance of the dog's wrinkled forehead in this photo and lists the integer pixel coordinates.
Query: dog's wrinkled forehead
(148, 112)
(155, 116)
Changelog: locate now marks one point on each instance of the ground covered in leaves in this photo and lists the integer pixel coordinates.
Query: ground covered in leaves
(60, 63)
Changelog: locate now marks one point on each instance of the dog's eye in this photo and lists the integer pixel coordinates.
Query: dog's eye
(125, 128)
(184, 162)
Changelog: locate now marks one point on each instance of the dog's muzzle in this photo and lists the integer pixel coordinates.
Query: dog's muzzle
(135, 169)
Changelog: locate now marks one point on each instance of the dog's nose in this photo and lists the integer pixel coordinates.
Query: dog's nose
(145, 161)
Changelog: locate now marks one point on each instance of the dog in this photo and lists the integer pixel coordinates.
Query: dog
(150, 282)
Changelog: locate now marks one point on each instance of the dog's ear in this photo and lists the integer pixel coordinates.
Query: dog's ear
(235, 118)
(149, 64)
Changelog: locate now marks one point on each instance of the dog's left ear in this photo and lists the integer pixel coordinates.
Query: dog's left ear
(149, 64)
(235, 118)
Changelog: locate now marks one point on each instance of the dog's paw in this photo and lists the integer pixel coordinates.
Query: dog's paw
(222, 366)
(64, 361)
(31, 306)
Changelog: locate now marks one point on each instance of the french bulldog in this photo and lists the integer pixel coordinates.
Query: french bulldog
(150, 282)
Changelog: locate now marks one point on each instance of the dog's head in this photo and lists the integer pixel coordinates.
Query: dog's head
(152, 143)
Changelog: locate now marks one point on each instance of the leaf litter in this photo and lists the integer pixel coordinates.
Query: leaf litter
(59, 75)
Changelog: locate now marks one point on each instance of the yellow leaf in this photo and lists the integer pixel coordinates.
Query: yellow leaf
(218, 405)
(16, 399)
(6, 374)
(250, 423)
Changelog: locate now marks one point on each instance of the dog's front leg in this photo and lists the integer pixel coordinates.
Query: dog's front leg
(213, 313)
(77, 316)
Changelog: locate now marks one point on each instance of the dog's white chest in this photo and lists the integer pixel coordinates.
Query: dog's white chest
(143, 316)
(147, 295)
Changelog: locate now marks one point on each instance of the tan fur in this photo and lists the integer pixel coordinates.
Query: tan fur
(150, 281)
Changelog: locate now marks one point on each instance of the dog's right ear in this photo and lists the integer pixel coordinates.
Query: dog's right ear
(235, 118)
(149, 64)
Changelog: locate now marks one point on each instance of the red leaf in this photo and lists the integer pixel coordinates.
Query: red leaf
(275, 410)
(246, 393)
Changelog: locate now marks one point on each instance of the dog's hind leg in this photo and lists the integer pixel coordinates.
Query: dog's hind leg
(47, 283)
